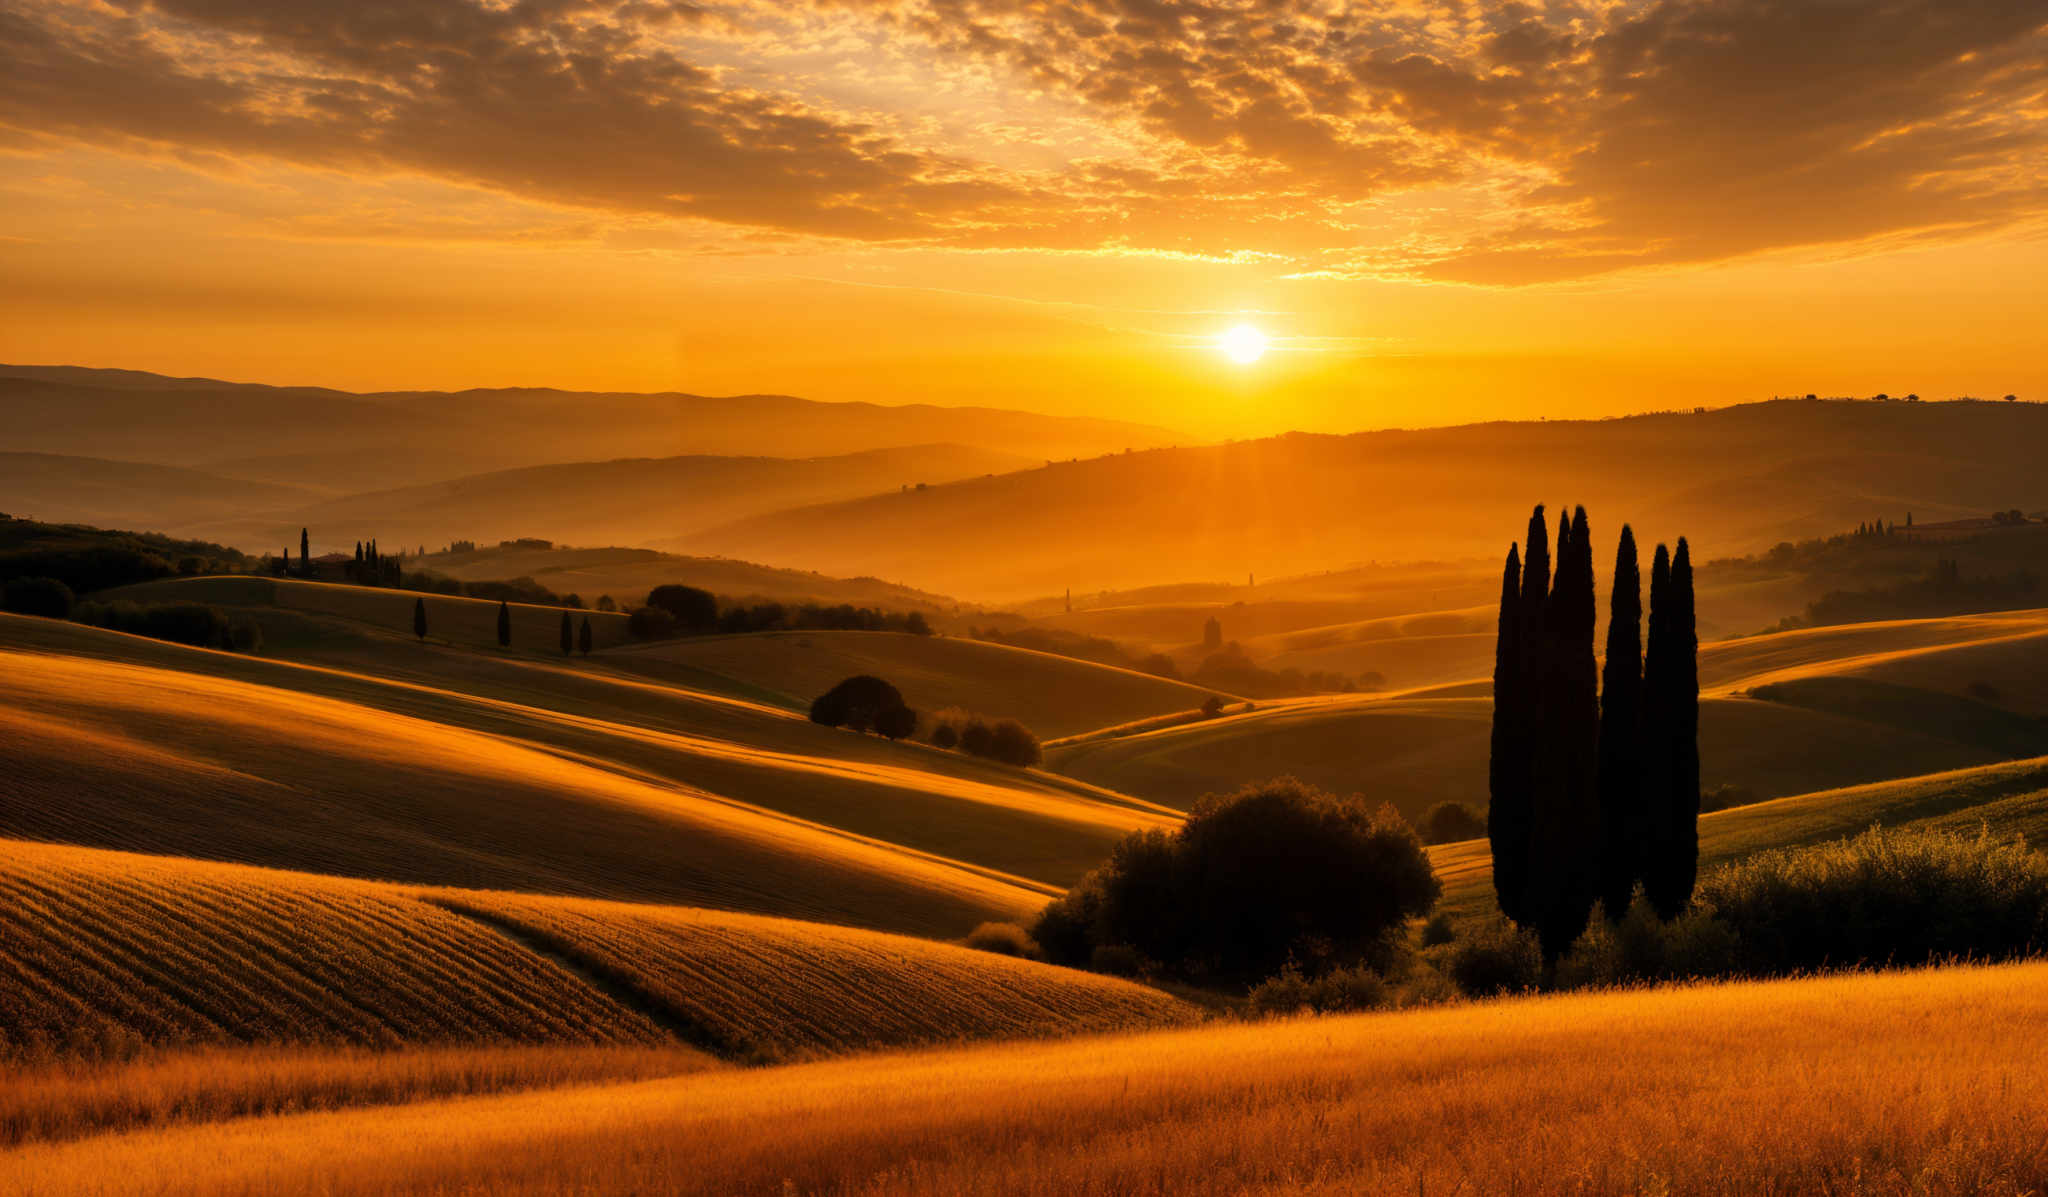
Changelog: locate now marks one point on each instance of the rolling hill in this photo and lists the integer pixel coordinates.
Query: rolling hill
(628, 574)
(1735, 480)
(1052, 695)
(525, 771)
(126, 494)
(1780, 714)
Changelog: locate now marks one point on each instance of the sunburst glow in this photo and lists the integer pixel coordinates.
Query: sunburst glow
(1244, 344)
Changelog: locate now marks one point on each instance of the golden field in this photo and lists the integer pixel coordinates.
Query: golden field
(1910, 1083)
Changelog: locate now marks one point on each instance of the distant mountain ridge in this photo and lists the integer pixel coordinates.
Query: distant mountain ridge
(1735, 480)
(274, 433)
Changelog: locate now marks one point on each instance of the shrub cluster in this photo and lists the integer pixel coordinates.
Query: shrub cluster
(1273, 874)
(1231, 670)
(199, 624)
(1004, 740)
(87, 559)
(1452, 822)
(1004, 939)
(37, 596)
(689, 611)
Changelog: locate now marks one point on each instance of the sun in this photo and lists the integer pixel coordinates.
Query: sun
(1244, 344)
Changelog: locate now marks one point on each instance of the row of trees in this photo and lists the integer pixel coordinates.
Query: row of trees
(573, 638)
(1594, 774)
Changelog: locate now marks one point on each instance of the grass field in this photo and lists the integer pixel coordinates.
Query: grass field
(1929, 1082)
(1052, 695)
(107, 954)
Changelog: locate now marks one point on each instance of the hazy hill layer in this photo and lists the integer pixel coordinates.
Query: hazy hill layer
(101, 947)
(628, 574)
(122, 494)
(1735, 480)
(627, 501)
(314, 436)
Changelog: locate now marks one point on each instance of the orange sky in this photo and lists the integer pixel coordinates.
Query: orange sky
(1438, 212)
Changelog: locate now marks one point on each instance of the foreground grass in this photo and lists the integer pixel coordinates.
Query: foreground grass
(69, 1099)
(1927, 1082)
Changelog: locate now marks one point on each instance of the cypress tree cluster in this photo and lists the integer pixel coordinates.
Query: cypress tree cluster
(1594, 775)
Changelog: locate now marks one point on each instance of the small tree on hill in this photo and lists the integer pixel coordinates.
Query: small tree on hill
(857, 703)
(568, 635)
(695, 611)
(583, 636)
(1212, 635)
(305, 556)
(419, 618)
(896, 722)
(504, 625)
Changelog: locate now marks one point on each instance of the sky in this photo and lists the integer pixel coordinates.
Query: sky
(1436, 213)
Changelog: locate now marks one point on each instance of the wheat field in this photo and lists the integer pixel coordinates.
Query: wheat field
(1856, 1085)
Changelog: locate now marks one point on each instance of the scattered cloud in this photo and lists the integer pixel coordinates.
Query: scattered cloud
(1495, 144)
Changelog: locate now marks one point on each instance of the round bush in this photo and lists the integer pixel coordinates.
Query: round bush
(1004, 939)
(860, 702)
(1452, 822)
(38, 596)
(1497, 959)
(1273, 873)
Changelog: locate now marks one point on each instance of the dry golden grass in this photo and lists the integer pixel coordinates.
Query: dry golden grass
(1052, 695)
(1914, 1083)
(761, 988)
(69, 1098)
(105, 954)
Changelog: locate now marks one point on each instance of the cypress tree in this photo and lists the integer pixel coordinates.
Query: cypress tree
(568, 635)
(1511, 862)
(1679, 852)
(359, 553)
(419, 618)
(305, 561)
(1621, 692)
(583, 636)
(1654, 737)
(1564, 839)
(504, 625)
(1507, 811)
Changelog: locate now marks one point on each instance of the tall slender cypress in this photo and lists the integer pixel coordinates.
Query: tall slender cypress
(1565, 815)
(504, 625)
(1511, 866)
(305, 561)
(568, 635)
(1621, 697)
(583, 636)
(1507, 774)
(1681, 847)
(419, 618)
(1654, 733)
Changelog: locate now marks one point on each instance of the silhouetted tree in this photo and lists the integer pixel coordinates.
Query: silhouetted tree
(305, 557)
(1564, 841)
(1212, 635)
(1653, 736)
(856, 703)
(896, 722)
(504, 625)
(1507, 777)
(1672, 773)
(1621, 697)
(606, 603)
(583, 636)
(695, 611)
(419, 618)
(1510, 829)
(568, 635)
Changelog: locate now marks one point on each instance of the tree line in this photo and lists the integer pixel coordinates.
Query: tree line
(1594, 774)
